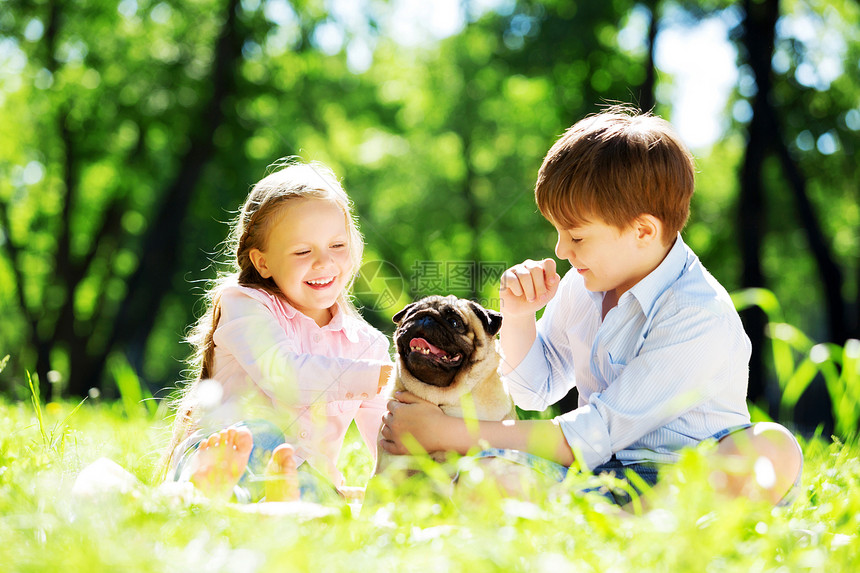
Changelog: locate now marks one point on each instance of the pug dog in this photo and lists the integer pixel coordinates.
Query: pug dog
(446, 349)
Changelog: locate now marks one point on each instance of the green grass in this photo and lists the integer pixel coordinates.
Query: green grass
(43, 527)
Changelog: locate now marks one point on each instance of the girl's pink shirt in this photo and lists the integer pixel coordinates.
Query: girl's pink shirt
(274, 363)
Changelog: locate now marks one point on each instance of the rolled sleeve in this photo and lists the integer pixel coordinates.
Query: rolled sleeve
(588, 436)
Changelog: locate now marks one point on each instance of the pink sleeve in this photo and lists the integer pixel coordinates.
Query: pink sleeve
(368, 419)
(250, 332)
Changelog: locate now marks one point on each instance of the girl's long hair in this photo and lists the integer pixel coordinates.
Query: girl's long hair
(291, 180)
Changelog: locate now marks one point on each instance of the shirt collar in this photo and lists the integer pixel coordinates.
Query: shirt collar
(649, 289)
(345, 322)
(340, 320)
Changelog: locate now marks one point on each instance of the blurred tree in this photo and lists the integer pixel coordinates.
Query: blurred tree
(121, 110)
(786, 164)
(125, 110)
(159, 258)
(759, 32)
(780, 114)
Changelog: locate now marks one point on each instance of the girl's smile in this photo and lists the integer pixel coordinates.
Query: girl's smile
(321, 283)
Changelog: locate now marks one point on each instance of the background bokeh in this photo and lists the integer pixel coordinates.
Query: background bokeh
(130, 133)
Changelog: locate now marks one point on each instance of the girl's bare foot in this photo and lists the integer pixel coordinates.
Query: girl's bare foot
(220, 461)
(282, 482)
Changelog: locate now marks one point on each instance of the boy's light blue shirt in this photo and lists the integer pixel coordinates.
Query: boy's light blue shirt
(667, 368)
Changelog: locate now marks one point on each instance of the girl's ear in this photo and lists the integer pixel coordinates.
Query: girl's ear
(258, 259)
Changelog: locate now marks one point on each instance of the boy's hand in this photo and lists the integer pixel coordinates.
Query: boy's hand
(409, 414)
(527, 287)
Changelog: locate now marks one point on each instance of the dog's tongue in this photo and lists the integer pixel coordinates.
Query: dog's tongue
(421, 343)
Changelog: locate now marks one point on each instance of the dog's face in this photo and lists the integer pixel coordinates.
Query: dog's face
(439, 338)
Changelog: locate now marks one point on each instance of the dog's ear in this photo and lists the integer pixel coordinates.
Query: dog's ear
(402, 312)
(491, 319)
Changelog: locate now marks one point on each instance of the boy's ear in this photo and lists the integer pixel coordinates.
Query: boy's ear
(258, 259)
(648, 228)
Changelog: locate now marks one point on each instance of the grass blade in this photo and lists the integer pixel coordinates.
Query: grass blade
(796, 385)
(59, 432)
(130, 389)
(36, 400)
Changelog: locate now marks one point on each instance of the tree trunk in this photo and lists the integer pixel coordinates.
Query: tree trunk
(828, 270)
(758, 38)
(152, 279)
(647, 98)
(765, 137)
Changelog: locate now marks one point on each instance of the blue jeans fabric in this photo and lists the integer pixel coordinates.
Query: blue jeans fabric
(730, 430)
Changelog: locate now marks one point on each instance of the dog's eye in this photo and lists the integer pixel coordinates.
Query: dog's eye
(454, 321)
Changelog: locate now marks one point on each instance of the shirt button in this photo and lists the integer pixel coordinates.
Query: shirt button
(364, 394)
(349, 395)
(317, 337)
(303, 435)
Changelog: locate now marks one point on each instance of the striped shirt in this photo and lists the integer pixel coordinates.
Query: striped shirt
(666, 368)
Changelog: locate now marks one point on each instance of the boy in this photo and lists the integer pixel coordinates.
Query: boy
(649, 338)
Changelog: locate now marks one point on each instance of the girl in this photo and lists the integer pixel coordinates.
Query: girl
(284, 362)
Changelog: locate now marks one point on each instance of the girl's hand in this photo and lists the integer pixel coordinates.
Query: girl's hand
(384, 375)
(527, 287)
(409, 414)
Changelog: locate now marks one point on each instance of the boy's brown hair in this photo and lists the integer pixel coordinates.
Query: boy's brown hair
(617, 165)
